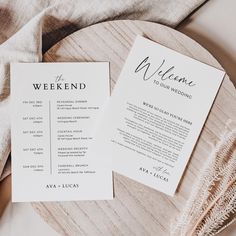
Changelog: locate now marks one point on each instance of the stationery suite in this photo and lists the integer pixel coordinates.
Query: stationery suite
(54, 109)
(147, 131)
(155, 114)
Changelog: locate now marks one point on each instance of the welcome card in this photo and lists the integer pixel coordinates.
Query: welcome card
(155, 114)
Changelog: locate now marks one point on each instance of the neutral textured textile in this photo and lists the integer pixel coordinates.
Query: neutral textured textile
(28, 28)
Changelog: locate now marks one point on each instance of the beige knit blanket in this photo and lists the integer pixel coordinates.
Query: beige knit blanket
(29, 28)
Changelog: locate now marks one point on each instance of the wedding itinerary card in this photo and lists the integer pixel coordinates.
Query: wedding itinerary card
(155, 114)
(54, 108)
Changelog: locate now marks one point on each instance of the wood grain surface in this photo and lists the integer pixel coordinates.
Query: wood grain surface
(136, 209)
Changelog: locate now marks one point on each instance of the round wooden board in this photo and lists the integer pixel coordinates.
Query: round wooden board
(136, 209)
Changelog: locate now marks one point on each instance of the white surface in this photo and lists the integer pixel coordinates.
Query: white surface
(214, 27)
(20, 219)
